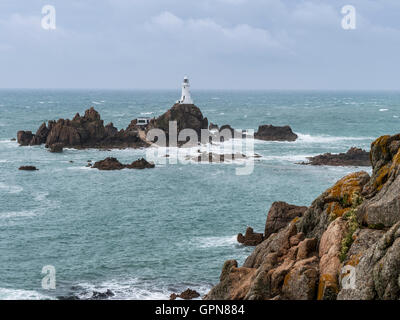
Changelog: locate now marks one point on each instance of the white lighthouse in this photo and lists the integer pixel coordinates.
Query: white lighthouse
(186, 97)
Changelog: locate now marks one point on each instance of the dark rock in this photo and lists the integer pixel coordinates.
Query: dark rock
(82, 132)
(108, 164)
(140, 164)
(113, 164)
(213, 126)
(187, 116)
(28, 168)
(250, 238)
(188, 294)
(24, 137)
(215, 157)
(56, 147)
(353, 157)
(272, 133)
(102, 295)
(13, 139)
(279, 216)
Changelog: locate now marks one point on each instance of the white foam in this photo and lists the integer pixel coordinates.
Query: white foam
(146, 113)
(307, 138)
(10, 189)
(135, 289)
(19, 294)
(383, 110)
(17, 214)
(96, 102)
(212, 242)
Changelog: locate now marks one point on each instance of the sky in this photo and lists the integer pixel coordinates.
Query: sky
(219, 44)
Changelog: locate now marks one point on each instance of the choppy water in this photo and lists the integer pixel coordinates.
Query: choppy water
(145, 234)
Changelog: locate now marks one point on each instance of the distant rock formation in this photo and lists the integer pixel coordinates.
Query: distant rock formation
(353, 157)
(28, 168)
(113, 164)
(272, 133)
(82, 132)
(188, 294)
(211, 157)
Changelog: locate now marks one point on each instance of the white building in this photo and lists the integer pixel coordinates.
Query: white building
(186, 97)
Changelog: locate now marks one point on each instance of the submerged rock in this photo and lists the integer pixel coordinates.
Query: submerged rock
(56, 147)
(102, 295)
(211, 157)
(273, 133)
(353, 157)
(188, 294)
(113, 164)
(28, 168)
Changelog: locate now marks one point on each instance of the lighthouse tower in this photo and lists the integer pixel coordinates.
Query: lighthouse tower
(186, 97)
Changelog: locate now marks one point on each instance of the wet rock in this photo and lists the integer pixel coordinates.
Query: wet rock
(279, 216)
(24, 138)
(213, 126)
(353, 157)
(56, 147)
(13, 139)
(250, 238)
(28, 168)
(273, 133)
(215, 157)
(188, 294)
(111, 163)
(102, 295)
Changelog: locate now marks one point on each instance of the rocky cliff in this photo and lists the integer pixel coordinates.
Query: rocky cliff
(346, 245)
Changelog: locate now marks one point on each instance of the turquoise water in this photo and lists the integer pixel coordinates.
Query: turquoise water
(146, 234)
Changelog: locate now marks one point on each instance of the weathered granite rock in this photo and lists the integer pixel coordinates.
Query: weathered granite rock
(188, 294)
(279, 216)
(333, 203)
(250, 238)
(353, 157)
(273, 133)
(28, 168)
(113, 164)
(382, 206)
(87, 131)
(377, 272)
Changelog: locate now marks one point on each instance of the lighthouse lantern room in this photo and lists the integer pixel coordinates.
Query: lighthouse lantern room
(186, 97)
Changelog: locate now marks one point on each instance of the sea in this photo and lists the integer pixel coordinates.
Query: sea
(144, 234)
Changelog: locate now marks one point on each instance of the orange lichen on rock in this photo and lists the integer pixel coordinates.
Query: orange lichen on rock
(342, 195)
(382, 144)
(326, 283)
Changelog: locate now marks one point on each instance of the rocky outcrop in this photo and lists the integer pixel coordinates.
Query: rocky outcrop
(187, 116)
(353, 157)
(56, 147)
(86, 131)
(346, 245)
(272, 133)
(28, 168)
(382, 205)
(211, 157)
(113, 164)
(279, 216)
(188, 294)
(250, 238)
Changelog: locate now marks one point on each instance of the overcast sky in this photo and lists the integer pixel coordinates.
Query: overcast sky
(219, 44)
